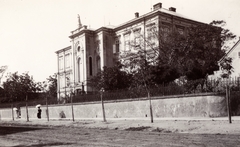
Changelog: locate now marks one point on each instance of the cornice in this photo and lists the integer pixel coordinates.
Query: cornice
(63, 50)
(153, 14)
(80, 33)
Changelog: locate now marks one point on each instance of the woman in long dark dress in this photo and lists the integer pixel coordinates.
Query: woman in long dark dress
(39, 113)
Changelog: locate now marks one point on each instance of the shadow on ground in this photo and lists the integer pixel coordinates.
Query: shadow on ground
(44, 144)
(16, 129)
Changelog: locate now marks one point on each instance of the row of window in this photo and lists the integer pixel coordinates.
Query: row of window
(150, 39)
(65, 79)
(90, 66)
(67, 62)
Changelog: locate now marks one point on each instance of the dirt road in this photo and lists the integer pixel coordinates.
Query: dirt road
(74, 136)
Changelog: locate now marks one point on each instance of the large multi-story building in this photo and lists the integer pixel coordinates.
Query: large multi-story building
(91, 50)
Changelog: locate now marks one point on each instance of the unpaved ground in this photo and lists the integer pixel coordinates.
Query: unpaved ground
(201, 126)
(120, 133)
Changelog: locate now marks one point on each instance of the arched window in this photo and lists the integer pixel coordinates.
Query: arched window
(98, 63)
(90, 66)
(79, 69)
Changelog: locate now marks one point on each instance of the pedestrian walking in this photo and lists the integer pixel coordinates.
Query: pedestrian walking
(39, 113)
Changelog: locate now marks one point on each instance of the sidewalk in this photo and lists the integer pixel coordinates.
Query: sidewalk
(234, 118)
(166, 125)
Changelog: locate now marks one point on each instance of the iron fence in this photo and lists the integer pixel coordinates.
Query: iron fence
(175, 88)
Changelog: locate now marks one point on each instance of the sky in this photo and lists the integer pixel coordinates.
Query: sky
(31, 31)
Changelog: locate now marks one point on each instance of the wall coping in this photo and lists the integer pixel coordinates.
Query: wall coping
(137, 99)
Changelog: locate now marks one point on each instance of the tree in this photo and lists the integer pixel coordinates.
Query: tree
(111, 78)
(52, 85)
(154, 55)
(2, 71)
(17, 86)
(165, 54)
(207, 45)
(2, 92)
(226, 67)
(49, 86)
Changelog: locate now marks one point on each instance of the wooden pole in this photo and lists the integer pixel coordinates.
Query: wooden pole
(12, 112)
(230, 110)
(150, 103)
(71, 95)
(103, 110)
(27, 107)
(47, 108)
(228, 103)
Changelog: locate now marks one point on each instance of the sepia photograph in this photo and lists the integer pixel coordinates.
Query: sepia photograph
(111, 73)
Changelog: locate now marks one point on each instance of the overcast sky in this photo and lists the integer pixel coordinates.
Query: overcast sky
(32, 30)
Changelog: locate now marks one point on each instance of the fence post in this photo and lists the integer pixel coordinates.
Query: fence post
(12, 112)
(150, 103)
(72, 107)
(27, 107)
(47, 108)
(103, 110)
(228, 103)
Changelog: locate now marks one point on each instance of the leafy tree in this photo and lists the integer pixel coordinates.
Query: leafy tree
(2, 71)
(52, 85)
(169, 54)
(17, 86)
(111, 78)
(226, 67)
(2, 92)
(154, 57)
(207, 45)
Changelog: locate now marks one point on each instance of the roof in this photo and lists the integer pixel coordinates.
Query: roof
(161, 10)
(173, 13)
(227, 53)
(64, 49)
(110, 26)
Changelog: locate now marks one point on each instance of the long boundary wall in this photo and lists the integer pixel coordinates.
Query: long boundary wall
(178, 106)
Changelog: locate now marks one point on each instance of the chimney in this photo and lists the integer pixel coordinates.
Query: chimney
(157, 6)
(85, 27)
(136, 15)
(172, 9)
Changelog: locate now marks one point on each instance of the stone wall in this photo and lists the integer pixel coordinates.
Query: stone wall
(182, 106)
(5, 113)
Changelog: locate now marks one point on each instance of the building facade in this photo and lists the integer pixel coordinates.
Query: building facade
(234, 54)
(91, 50)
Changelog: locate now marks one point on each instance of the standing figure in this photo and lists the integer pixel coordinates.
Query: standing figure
(39, 113)
(18, 113)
